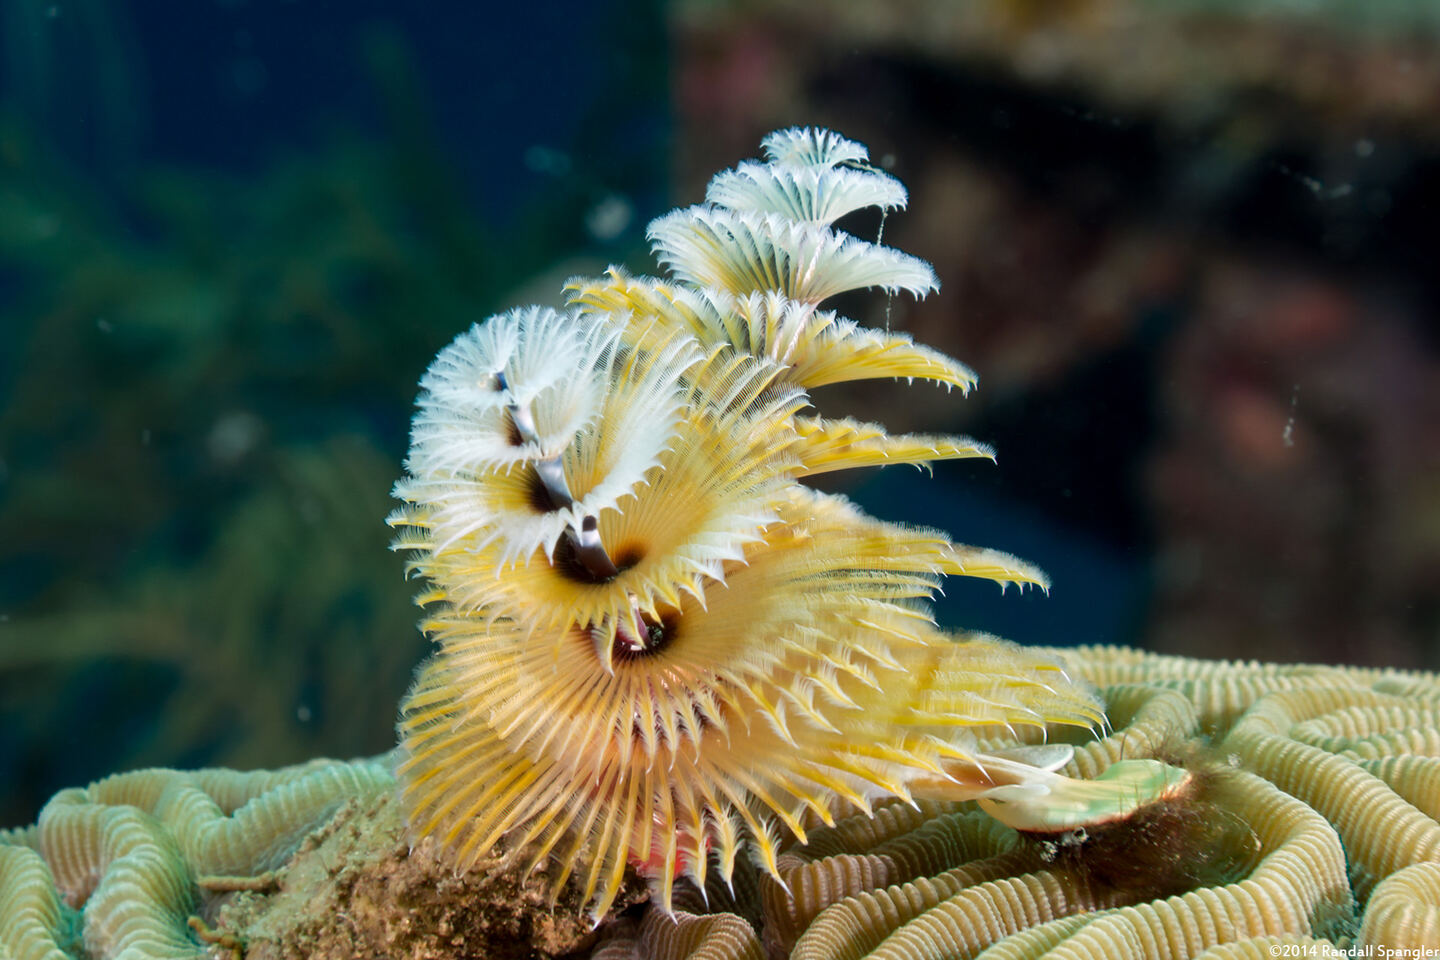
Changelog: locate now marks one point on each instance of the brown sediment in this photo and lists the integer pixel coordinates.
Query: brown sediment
(356, 889)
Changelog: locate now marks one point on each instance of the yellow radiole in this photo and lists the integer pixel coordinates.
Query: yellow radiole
(656, 645)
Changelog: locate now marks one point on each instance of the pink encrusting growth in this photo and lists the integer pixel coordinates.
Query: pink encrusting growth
(656, 646)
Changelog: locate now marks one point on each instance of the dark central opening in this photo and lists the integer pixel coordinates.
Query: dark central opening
(659, 634)
(628, 555)
(569, 565)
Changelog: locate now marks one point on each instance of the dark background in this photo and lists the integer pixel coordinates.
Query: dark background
(1189, 248)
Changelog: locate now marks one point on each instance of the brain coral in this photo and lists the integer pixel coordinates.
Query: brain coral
(1326, 838)
(120, 865)
(1319, 836)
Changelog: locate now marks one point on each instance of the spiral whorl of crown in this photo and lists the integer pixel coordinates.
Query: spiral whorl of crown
(654, 641)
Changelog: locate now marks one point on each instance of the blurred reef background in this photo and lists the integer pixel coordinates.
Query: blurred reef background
(1190, 248)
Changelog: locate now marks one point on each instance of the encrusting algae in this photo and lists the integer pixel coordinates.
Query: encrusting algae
(656, 644)
(660, 654)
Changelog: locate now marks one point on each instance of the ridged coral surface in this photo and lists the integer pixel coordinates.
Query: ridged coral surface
(120, 865)
(932, 880)
(1316, 848)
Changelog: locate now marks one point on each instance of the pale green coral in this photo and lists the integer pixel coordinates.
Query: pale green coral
(929, 881)
(132, 852)
(32, 920)
(1313, 762)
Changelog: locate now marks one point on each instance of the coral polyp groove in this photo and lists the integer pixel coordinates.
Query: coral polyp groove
(656, 647)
